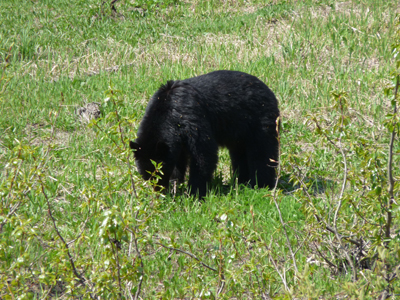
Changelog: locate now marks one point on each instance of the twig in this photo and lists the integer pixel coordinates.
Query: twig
(82, 280)
(332, 230)
(71, 260)
(125, 147)
(277, 269)
(12, 211)
(390, 171)
(133, 232)
(15, 176)
(98, 127)
(83, 228)
(326, 136)
(141, 266)
(137, 294)
(344, 179)
(339, 205)
(276, 202)
(325, 259)
(221, 276)
(133, 236)
(189, 254)
(114, 244)
(357, 210)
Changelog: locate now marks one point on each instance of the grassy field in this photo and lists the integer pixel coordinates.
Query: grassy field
(76, 219)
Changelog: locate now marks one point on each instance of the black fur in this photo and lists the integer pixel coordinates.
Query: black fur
(186, 121)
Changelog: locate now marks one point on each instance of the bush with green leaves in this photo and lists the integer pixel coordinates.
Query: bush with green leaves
(350, 199)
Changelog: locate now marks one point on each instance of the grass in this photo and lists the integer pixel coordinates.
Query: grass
(59, 55)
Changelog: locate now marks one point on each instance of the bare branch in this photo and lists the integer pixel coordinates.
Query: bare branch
(137, 294)
(221, 275)
(390, 163)
(83, 229)
(324, 258)
(326, 136)
(98, 127)
(276, 202)
(281, 275)
(189, 254)
(126, 149)
(82, 280)
(114, 244)
(339, 205)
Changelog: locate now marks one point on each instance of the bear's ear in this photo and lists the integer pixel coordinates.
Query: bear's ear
(134, 145)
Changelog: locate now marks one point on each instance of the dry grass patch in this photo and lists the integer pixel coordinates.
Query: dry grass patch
(228, 6)
(267, 41)
(39, 134)
(90, 63)
(168, 48)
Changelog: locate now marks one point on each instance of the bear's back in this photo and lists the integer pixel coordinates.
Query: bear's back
(235, 104)
(228, 104)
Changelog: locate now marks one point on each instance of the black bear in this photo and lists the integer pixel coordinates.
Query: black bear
(187, 120)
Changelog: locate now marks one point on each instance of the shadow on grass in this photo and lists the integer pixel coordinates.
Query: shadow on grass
(316, 185)
(221, 187)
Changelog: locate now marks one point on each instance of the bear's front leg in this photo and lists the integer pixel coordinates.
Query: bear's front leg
(202, 167)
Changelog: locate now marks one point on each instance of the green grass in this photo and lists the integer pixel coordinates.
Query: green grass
(58, 55)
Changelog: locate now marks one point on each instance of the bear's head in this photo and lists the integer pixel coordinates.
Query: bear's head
(144, 154)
